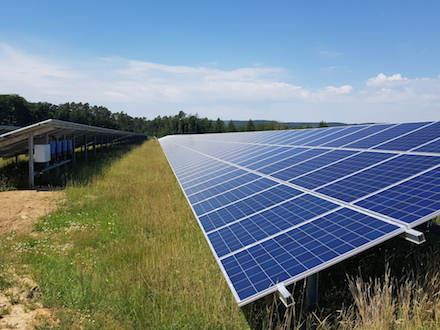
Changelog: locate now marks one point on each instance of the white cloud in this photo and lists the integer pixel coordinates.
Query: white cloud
(381, 80)
(21, 70)
(402, 90)
(151, 89)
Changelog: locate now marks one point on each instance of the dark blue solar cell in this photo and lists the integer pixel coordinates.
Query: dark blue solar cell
(287, 153)
(214, 181)
(246, 207)
(340, 169)
(318, 133)
(269, 222)
(349, 138)
(272, 151)
(298, 136)
(378, 177)
(312, 164)
(244, 154)
(385, 135)
(414, 139)
(274, 167)
(409, 201)
(334, 134)
(430, 147)
(195, 180)
(233, 195)
(222, 187)
(279, 258)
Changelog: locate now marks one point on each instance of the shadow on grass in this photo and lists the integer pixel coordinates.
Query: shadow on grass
(15, 175)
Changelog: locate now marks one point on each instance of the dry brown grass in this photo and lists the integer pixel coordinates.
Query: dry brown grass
(390, 303)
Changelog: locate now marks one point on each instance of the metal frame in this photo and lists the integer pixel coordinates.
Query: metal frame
(22, 140)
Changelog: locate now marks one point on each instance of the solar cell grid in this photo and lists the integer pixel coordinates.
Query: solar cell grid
(385, 135)
(269, 152)
(207, 175)
(233, 195)
(273, 138)
(292, 137)
(378, 177)
(248, 206)
(189, 173)
(221, 187)
(312, 164)
(242, 150)
(430, 147)
(257, 152)
(292, 253)
(306, 135)
(341, 169)
(349, 138)
(276, 210)
(410, 200)
(283, 154)
(301, 156)
(274, 220)
(414, 139)
(343, 131)
(216, 180)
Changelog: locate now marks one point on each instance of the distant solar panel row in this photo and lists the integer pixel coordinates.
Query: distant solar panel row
(278, 206)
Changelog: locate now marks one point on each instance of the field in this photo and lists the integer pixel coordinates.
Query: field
(124, 251)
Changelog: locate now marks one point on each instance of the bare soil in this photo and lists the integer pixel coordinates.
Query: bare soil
(20, 209)
(19, 306)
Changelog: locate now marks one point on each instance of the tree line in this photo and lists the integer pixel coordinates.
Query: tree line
(16, 111)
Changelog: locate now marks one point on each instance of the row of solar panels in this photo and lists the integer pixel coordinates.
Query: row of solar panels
(278, 206)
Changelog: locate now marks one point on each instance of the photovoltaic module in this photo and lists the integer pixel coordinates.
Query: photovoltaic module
(279, 206)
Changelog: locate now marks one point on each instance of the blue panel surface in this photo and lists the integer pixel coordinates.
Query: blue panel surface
(302, 249)
(267, 223)
(222, 187)
(334, 135)
(385, 135)
(246, 207)
(408, 201)
(313, 164)
(267, 161)
(277, 206)
(301, 157)
(430, 147)
(379, 177)
(233, 195)
(413, 140)
(349, 138)
(340, 169)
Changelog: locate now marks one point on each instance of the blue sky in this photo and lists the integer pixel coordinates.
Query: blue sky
(285, 60)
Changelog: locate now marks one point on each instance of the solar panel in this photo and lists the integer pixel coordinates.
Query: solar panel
(279, 206)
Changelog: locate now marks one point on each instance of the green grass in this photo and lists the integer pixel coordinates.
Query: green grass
(127, 252)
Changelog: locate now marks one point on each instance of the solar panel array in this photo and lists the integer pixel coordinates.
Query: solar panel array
(278, 206)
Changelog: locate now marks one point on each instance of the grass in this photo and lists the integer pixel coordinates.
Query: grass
(411, 302)
(125, 252)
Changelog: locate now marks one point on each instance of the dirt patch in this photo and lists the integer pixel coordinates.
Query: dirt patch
(21, 208)
(19, 306)
(20, 309)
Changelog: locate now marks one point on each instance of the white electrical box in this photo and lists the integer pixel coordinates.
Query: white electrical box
(42, 153)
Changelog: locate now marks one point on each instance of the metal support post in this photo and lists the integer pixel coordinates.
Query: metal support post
(311, 299)
(85, 147)
(31, 160)
(73, 150)
(94, 145)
